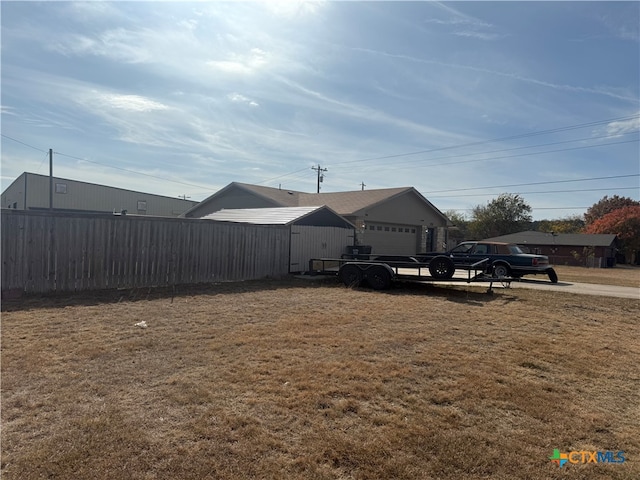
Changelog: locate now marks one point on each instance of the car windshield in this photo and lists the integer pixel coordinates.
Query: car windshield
(515, 250)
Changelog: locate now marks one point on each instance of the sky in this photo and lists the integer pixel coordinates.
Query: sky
(461, 100)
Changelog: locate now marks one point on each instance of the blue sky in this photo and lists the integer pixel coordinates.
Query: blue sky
(462, 100)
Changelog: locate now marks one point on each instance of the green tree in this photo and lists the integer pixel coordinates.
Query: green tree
(607, 205)
(571, 224)
(458, 232)
(506, 214)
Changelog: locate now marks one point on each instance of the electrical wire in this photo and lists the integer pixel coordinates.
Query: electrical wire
(549, 182)
(525, 135)
(536, 193)
(23, 143)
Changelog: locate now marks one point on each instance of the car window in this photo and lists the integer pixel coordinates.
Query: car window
(481, 249)
(515, 250)
(462, 248)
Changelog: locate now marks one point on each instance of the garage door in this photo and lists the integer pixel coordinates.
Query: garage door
(391, 239)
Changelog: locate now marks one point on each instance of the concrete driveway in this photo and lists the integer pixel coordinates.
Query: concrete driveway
(568, 287)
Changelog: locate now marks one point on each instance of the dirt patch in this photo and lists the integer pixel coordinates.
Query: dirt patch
(294, 379)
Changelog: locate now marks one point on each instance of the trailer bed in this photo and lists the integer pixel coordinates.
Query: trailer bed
(397, 270)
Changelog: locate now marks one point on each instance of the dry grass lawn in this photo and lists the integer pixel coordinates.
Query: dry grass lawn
(299, 379)
(621, 275)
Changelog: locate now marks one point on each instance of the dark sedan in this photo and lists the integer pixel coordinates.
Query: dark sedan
(503, 259)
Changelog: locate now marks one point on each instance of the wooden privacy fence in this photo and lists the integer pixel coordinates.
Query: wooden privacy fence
(57, 252)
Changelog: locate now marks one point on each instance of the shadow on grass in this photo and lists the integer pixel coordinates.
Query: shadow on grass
(477, 295)
(99, 297)
(474, 295)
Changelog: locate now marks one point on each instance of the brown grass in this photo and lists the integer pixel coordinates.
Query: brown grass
(310, 380)
(621, 275)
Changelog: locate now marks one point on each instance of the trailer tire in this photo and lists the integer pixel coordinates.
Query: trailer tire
(442, 268)
(553, 276)
(378, 278)
(350, 275)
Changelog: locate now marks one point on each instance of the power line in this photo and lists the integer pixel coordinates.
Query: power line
(396, 165)
(513, 137)
(536, 193)
(535, 183)
(23, 143)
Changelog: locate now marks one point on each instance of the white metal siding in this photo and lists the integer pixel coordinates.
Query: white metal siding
(309, 242)
(92, 197)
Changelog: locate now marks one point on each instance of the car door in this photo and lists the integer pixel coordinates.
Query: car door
(461, 254)
(479, 252)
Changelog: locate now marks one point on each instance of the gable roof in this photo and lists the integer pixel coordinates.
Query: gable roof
(532, 237)
(344, 203)
(321, 216)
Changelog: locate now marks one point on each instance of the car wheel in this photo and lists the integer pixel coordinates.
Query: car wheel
(441, 268)
(553, 276)
(350, 275)
(378, 278)
(501, 270)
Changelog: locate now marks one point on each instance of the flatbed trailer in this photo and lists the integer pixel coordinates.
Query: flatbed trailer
(382, 271)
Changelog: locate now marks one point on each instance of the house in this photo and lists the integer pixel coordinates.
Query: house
(315, 232)
(592, 250)
(30, 191)
(392, 220)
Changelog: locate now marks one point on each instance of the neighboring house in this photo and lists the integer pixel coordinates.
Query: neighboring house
(592, 250)
(391, 220)
(30, 191)
(315, 232)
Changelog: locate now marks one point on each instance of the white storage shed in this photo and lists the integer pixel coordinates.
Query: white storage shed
(315, 232)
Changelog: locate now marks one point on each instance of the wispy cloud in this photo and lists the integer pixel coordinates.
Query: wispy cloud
(601, 90)
(132, 103)
(239, 98)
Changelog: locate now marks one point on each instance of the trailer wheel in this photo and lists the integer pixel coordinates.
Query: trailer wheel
(378, 278)
(441, 268)
(553, 276)
(350, 275)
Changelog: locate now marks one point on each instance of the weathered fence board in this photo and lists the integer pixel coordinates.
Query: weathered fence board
(56, 252)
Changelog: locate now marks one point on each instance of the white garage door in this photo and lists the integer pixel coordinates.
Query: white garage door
(390, 239)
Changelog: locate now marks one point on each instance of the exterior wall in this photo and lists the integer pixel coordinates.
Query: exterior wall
(407, 212)
(232, 198)
(407, 209)
(31, 192)
(14, 195)
(599, 257)
(309, 242)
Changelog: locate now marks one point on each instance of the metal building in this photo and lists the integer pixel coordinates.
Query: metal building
(30, 191)
(316, 232)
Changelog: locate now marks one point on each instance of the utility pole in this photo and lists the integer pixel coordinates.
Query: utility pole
(50, 179)
(320, 176)
(362, 185)
(184, 197)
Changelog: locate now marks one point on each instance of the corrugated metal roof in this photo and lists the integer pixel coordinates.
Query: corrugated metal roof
(264, 216)
(564, 239)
